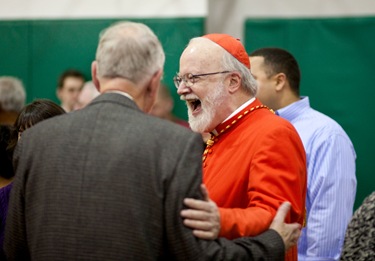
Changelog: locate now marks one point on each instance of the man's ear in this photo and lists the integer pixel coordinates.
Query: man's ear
(94, 75)
(234, 82)
(280, 80)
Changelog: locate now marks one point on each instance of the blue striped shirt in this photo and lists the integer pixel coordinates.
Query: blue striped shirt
(331, 181)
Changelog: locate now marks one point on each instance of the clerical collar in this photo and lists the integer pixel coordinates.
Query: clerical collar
(240, 108)
(122, 93)
(214, 132)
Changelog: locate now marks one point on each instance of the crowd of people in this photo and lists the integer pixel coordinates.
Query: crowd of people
(112, 174)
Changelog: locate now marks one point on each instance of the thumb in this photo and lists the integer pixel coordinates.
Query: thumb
(282, 212)
(204, 192)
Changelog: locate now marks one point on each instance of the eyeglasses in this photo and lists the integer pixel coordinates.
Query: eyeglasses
(189, 79)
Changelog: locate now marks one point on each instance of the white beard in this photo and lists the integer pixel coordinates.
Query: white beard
(214, 100)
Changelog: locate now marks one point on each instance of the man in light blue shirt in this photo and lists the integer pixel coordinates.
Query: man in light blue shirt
(331, 183)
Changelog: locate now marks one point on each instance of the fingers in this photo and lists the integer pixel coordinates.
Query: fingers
(291, 238)
(195, 214)
(198, 204)
(198, 210)
(202, 216)
(289, 232)
(296, 234)
(208, 235)
(199, 225)
(204, 224)
(208, 229)
(295, 230)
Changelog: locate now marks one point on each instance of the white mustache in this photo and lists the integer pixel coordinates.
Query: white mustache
(188, 97)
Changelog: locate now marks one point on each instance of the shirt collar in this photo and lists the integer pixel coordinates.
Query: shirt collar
(122, 93)
(295, 109)
(240, 108)
(214, 132)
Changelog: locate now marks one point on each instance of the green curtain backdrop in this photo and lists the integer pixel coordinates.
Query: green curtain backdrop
(337, 58)
(37, 51)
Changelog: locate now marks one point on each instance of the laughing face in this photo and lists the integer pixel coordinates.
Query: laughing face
(202, 112)
(206, 98)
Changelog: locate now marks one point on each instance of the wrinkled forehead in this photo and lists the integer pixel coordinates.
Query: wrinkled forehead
(201, 55)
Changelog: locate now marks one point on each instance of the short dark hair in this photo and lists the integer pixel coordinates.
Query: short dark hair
(31, 114)
(69, 73)
(278, 60)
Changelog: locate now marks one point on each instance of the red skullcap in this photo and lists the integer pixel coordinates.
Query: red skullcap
(232, 45)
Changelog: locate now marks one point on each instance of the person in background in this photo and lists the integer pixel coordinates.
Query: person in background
(107, 182)
(87, 94)
(12, 99)
(30, 115)
(68, 88)
(359, 243)
(164, 105)
(254, 160)
(331, 185)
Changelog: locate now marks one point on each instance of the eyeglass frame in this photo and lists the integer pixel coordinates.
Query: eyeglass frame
(189, 78)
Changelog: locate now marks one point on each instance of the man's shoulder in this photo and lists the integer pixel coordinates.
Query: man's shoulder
(48, 124)
(167, 127)
(266, 124)
(272, 121)
(320, 123)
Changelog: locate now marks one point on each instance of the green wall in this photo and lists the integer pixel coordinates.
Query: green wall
(337, 60)
(37, 51)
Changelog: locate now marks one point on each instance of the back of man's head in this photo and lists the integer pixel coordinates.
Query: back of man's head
(12, 94)
(277, 60)
(129, 50)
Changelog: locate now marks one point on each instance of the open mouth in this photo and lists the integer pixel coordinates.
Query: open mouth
(194, 104)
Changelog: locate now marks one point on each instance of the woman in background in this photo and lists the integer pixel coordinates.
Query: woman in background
(37, 111)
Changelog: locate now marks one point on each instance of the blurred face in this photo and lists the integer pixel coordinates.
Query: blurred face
(266, 84)
(162, 107)
(86, 95)
(69, 93)
(206, 99)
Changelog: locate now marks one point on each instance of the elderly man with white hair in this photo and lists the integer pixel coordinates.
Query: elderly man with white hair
(12, 99)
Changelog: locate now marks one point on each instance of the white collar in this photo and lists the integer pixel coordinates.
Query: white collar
(122, 93)
(235, 112)
(240, 108)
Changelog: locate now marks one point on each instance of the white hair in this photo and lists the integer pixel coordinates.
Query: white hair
(12, 94)
(248, 82)
(129, 50)
(230, 63)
